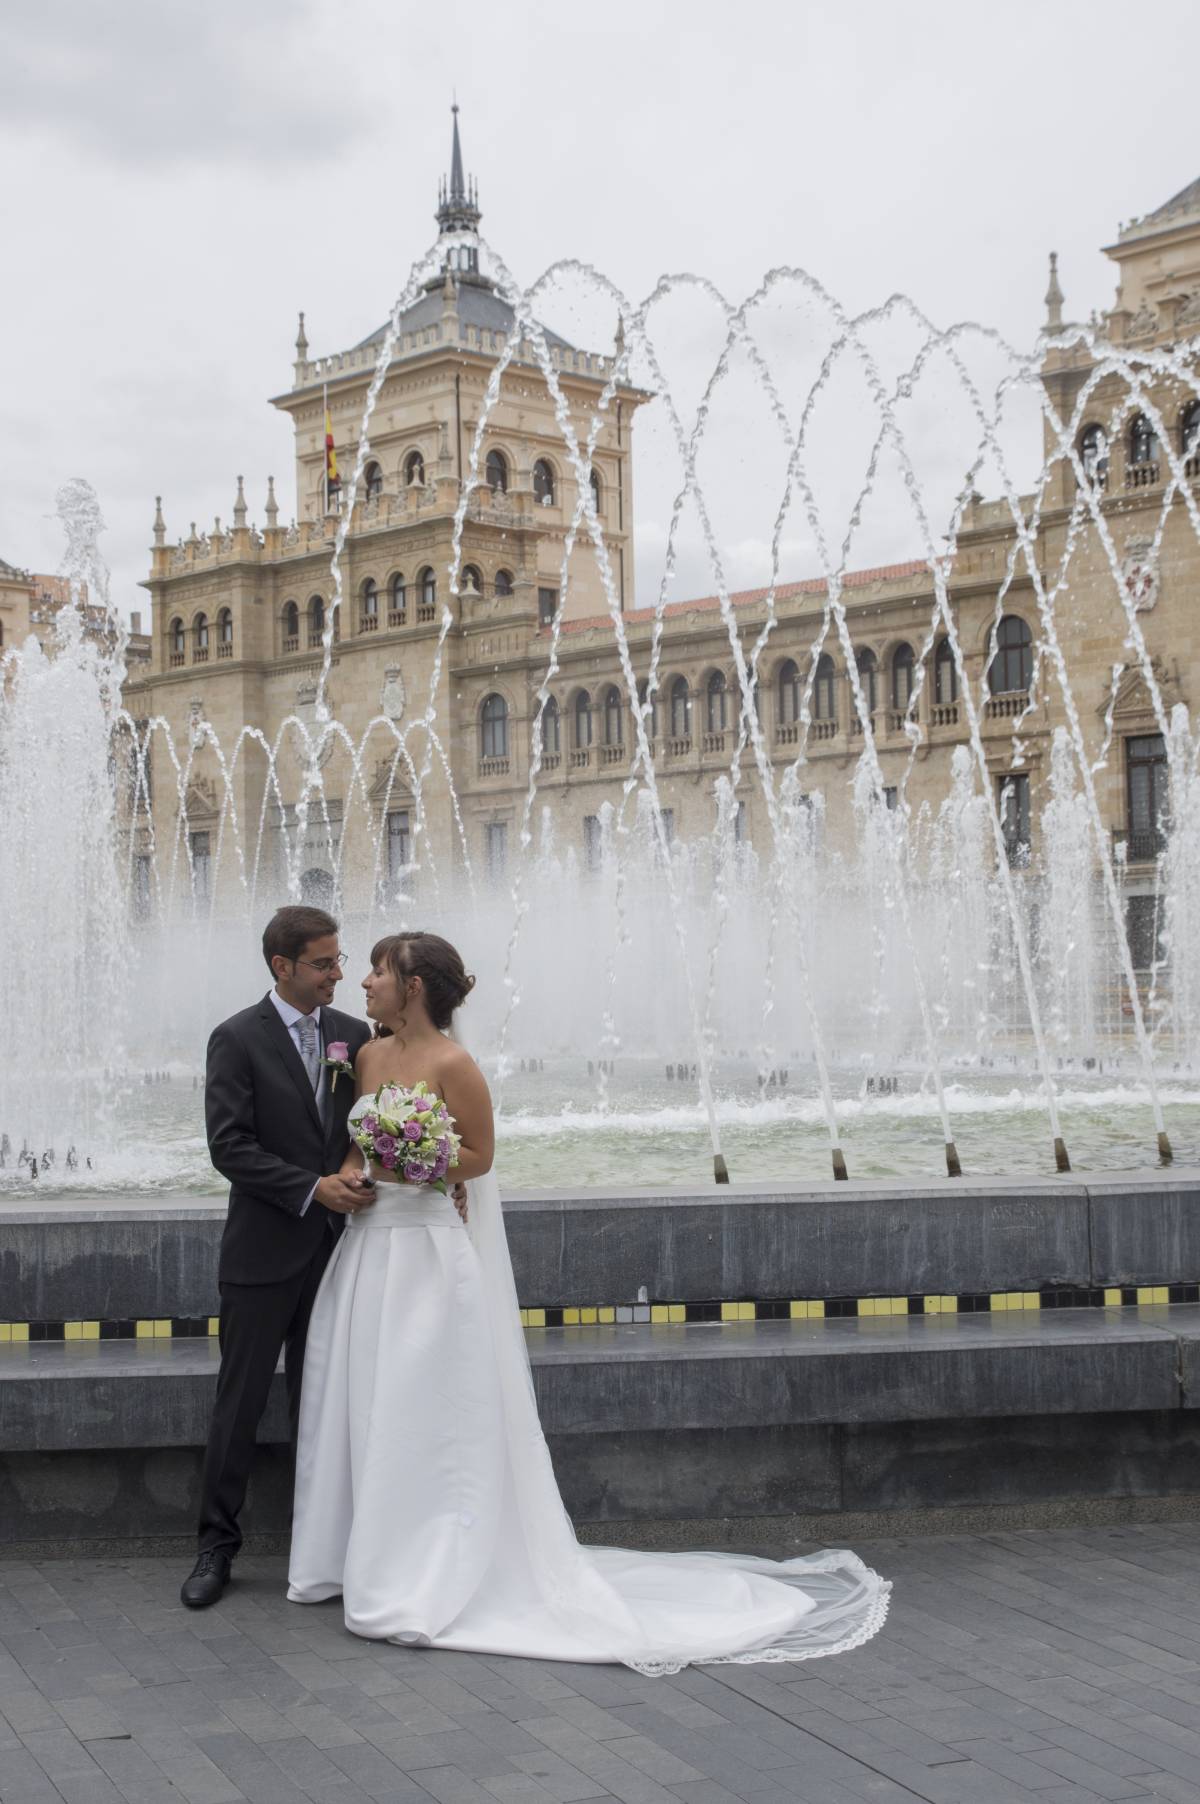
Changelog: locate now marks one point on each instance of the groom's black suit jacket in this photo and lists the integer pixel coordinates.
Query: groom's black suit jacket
(265, 1135)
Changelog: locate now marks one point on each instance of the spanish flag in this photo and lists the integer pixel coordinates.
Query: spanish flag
(332, 479)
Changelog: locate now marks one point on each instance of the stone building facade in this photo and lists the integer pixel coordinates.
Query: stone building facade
(239, 615)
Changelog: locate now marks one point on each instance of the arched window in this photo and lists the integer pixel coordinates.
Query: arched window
(903, 670)
(493, 720)
(414, 471)
(316, 620)
(373, 481)
(868, 670)
(1143, 441)
(596, 493)
(397, 600)
(1093, 455)
(543, 483)
(551, 729)
(614, 716)
(824, 693)
(789, 693)
(472, 582)
(225, 633)
(1010, 669)
(583, 720)
(681, 709)
(1189, 430)
(291, 626)
(504, 583)
(497, 471)
(370, 605)
(177, 641)
(651, 718)
(715, 694)
(200, 638)
(428, 588)
(945, 675)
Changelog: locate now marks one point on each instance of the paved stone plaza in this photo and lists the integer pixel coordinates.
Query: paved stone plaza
(1062, 1667)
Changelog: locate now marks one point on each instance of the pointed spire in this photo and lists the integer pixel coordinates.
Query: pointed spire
(1054, 297)
(272, 508)
(160, 525)
(239, 506)
(457, 185)
(458, 203)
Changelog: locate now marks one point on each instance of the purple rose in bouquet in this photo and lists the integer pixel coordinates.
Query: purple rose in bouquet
(413, 1130)
(416, 1173)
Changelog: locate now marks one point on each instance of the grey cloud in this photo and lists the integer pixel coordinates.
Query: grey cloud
(154, 82)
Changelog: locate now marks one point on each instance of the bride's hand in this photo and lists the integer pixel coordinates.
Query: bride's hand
(459, 1194)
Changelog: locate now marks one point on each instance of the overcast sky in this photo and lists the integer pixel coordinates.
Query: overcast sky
(180, 178)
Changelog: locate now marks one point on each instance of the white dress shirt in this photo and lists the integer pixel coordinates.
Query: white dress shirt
(290, 1016)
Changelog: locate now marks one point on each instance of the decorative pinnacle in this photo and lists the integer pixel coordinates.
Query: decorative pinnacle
(1054, 296)
(160, 525)
(301, 343)
(239, 506)
(272, 510)
(458, 200)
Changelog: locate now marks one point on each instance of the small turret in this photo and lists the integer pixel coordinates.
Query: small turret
(239, 507)
(272, 510)
(160, 525)
(301, 364)
(1054, 298)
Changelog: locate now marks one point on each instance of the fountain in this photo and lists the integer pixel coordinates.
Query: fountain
(892, 961)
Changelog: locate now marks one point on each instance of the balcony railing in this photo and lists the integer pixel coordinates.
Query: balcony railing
(788, 733)
(898, 719)
(551, 760)
(824, 729)
(396, 617)
(1141, 476)
(612, 754)
(581, 757)
(493, 767)
(225, 649)
(680, 746)
(943, 714)
(291, 642)
(713, 742)
(316, 636)
(1007, 707)
(368, 623)
(200, 655)
(175, 660)
(426, 611)
(1139, 845)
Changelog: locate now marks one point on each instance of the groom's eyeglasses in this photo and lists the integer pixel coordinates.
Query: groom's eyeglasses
(323, 965)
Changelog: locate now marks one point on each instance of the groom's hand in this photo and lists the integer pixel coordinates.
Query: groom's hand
(459, 1193)
(345, 1196)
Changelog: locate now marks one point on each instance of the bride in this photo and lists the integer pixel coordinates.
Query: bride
(425, 1495)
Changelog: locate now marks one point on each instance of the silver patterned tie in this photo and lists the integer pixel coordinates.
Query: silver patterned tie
(306, 1027)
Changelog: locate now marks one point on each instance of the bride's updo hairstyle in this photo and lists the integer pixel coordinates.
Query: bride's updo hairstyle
(436, 962)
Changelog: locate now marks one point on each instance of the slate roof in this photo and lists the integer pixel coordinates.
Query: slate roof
(1186, 201)
(478, 305)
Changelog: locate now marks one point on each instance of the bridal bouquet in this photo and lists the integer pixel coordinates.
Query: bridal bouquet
(410, 1132)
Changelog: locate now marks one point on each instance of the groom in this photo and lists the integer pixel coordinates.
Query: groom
(277, 1130)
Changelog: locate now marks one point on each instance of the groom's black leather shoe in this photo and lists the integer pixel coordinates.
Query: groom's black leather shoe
(207, 1579)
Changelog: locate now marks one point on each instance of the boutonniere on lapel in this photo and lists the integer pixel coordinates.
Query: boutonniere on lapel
(337, 1057)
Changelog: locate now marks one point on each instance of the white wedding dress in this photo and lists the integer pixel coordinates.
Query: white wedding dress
(425, 1495)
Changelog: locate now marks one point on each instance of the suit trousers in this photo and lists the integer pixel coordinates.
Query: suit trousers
(256, 1321)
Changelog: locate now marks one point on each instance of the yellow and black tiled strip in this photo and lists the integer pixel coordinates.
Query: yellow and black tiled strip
(781, 1309)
